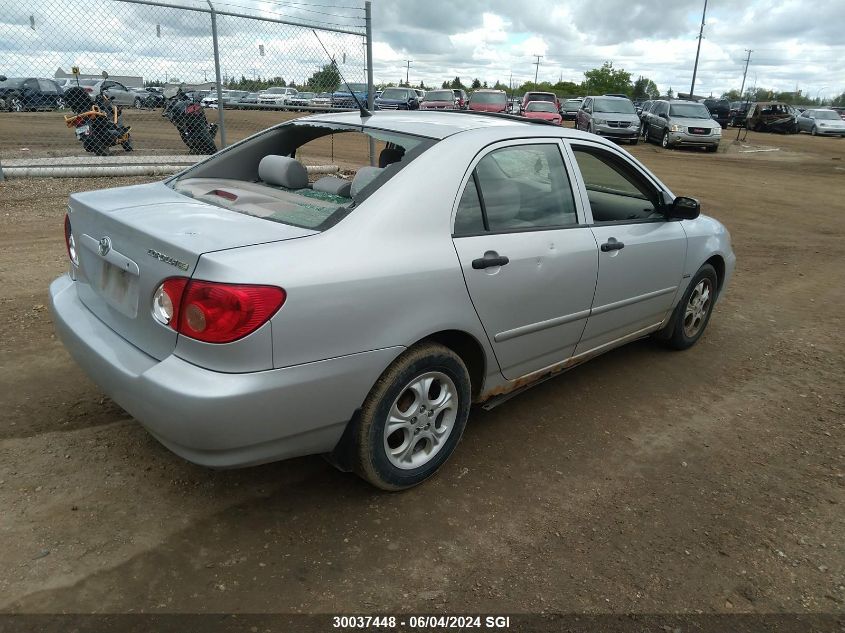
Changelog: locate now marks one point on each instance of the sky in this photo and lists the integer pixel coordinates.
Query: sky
(794, 43)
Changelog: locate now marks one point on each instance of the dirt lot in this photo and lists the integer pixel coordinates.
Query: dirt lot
(644, 481)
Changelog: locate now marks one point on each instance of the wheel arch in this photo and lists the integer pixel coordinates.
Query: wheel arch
(718, 264)
(470, 351)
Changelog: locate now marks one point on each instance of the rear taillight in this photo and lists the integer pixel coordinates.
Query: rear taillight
(215, 312)
(192, 109)
(70, 243)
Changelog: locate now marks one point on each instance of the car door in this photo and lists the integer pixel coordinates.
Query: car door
(641, 253)
(805, 121)
(528, 258)
(31, 94)
(582, 117)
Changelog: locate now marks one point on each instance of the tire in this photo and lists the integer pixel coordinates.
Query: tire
(60, 104)
(635, 141)
(409, 455)
(712, 148)
(16, 104)
(137, 103)
(813, 131)
(664, 141)
(690, 318)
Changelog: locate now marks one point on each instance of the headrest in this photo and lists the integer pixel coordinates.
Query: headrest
(390, 155)
(283, 171)
(334, 185)
(363, 178)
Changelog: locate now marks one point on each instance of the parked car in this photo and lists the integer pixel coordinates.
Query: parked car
(420, 93)
(613, 117)
(322, 100)
(65, 82)
(821, 121)
(739, 113)
(839, 110)
(250, 98)
(439, 100)
(461, 98)
(155, 98)
(22, 94)
(720, 110)
(534, 249)
(114, 90)
(772, 116)
(682, 123)
(528, 97)
(302, 100)
(569, 108)
(542, 110)
(397, 99)
(488, 101)
(276, 96)
(346, 95)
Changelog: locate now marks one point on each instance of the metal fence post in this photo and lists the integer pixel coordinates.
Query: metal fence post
(368, 18)
(220, 109)
(1, 173)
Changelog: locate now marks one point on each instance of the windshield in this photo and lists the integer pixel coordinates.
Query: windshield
(354, 88)
(226, 182)
(689, 110)
(618, 106)
(276, 91)
(88, 82)
(394, 93)
(541, 106)
(439, 95)
(489, 97)
(573, 103)
(540, 96)
(827, 115)
(306, 95)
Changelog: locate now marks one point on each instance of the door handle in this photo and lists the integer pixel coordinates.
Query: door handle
(612, 245)
(490, 259)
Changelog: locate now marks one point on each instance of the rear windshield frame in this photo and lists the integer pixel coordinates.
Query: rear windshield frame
(318, 129)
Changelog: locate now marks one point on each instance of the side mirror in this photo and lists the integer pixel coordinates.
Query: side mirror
(3, 77)
(684, 208)
(663, 115)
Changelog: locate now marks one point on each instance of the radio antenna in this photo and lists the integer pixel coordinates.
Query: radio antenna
(364, 112)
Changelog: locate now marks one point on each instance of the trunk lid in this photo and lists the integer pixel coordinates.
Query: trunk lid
(131, 239)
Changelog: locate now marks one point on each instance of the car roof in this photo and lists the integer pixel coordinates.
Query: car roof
(439, 125)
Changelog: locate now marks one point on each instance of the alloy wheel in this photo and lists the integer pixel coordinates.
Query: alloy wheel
(697, 308)
(420, 420)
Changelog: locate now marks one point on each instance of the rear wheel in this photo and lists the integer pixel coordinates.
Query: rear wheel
(413, 418)
(138, 103)
(16, 104)
(813, 131)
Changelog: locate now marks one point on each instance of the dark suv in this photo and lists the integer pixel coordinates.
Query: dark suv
(20, 94)
(720, 110)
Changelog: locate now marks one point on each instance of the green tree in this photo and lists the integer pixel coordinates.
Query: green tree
(607, 79)
(456, 83)
(645, 88)
(327, 79)
(476, 83)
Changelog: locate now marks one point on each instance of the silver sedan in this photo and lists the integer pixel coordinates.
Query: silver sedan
(821, 121)
(244, 312)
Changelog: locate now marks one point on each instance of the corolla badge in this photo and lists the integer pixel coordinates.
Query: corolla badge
(167, 259)
(104, 246)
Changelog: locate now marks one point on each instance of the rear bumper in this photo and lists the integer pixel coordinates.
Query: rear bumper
(212, 418)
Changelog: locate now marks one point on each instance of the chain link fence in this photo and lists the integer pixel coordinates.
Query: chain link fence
(107, 77)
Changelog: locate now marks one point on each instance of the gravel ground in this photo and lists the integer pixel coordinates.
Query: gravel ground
(644, 481)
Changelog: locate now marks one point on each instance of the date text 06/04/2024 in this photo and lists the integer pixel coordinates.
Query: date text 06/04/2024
(422, 622)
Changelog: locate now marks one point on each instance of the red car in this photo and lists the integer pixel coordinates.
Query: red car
(539, 96)
(439, 100)
(488, 101)
(542, 110)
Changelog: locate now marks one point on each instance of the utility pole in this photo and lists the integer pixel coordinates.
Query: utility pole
(745, 72)
(407, 70)
(697, 51)
(537, 69)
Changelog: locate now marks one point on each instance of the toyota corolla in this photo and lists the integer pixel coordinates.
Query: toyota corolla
(245, 311)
